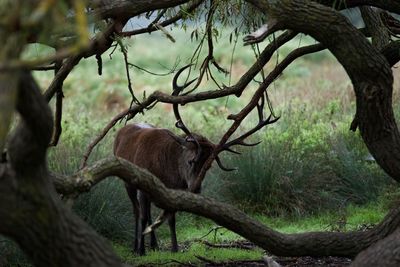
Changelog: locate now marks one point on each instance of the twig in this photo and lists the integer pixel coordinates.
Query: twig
(44, 68)
(98, 45)
(128, 77)
(169, 262)
(152, 27)
(214, 229)
(153, 73)
(238, 118)
(246, 246)
(155, 97)
(205, 259)
(57, 128)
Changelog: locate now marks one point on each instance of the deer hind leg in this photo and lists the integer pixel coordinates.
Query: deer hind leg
(132, 193)
(171, 223)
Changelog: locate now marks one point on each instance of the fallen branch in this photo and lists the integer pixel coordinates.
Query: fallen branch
(240, 244)
(346, 244)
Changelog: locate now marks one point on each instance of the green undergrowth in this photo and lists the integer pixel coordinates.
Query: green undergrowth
(310, 173)
(192, 230)
(188, 256)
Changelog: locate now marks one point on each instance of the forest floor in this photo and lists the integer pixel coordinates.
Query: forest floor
(245, 245)
(202, 243)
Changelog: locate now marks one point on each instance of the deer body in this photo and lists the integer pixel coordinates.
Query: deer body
(170, 158)
(179, 162)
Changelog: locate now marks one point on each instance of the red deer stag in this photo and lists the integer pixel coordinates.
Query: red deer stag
(175, 160)
(168, 157)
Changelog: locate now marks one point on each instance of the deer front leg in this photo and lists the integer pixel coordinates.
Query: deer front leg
(172, 230)
(153, 238)
(132, 193)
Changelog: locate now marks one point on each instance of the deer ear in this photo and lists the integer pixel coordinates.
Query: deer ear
(187, 143)
(190, 139)
(178, 139)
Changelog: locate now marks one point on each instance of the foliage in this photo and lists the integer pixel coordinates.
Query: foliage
(310, 161)
(304, 165)
(108, 209)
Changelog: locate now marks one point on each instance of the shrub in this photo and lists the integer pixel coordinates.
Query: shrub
(303, 166)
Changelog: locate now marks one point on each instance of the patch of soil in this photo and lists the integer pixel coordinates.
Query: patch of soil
(286, 262)
(311, 261)
(283, 261)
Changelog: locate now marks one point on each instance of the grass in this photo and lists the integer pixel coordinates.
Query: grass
(190, 234)
(191, 229)
(189, 256)
(308, 174)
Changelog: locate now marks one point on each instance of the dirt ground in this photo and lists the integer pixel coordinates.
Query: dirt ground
(283, 261)
(292, 262)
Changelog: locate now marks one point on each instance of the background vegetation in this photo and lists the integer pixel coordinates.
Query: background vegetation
(309, 173)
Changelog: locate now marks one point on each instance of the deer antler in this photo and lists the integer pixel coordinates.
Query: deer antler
(226, 146)
(177, 89)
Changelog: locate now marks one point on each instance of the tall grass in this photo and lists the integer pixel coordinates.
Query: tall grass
(303, 168)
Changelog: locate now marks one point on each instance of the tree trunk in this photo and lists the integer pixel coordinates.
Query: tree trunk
(368, 70)
(31, 212)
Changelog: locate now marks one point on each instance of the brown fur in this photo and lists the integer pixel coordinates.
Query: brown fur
(168, 157)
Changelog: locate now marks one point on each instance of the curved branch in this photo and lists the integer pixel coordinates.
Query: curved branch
(238, 118)
(125, 9)
(97, 46)
(152, 27)
(59, 110)
(368, 70)
(334, 243)
(376, 27)
(392, 52)
(385, 252)
(388, 5)
(29, 142)
(157, 96)
(8, 92)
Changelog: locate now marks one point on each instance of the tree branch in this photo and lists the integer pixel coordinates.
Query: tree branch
(97, 46)
(388, 5)
(238, 118)
(152, 27)
(125, 9)
(28, 144)
(373, 22)
(334, 243)
(157, 96)
(8, 92)
(392, 52)
(367, 68)
(58, 113)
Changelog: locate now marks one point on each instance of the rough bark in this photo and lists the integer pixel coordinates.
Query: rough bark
(370, 74)
(392, 52)
(379, 32)
(385, 252)
(31, 212)
(368, 70)
(389, 5)
(123, 9)
(10, 50)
